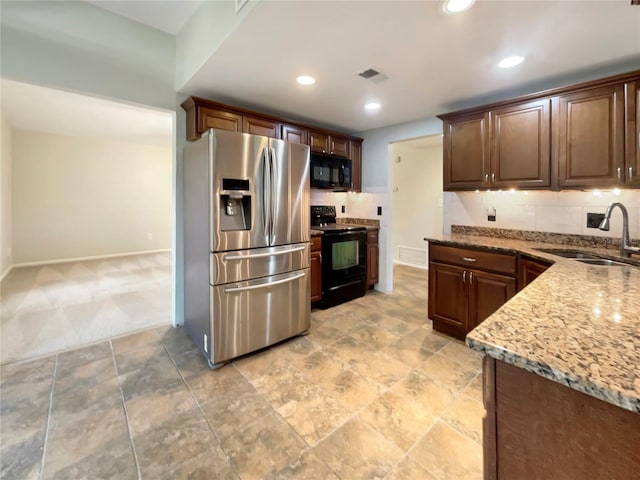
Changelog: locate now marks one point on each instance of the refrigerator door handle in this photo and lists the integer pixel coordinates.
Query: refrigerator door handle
(297, 248)
(274, 176)
(266, 194)
(265, 284)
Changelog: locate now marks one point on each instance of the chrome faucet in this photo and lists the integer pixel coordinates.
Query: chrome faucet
(626, 249)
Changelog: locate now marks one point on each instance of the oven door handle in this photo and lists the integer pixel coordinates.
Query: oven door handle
(264, 285)
(248, 256)
(336, 234)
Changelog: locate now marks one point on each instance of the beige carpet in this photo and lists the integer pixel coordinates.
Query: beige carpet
(50, 308)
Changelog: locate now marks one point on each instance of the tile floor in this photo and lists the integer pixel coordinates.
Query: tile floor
(50, 308)
(370, 393)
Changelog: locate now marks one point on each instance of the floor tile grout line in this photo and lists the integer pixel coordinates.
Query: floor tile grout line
(309, 447)
(126, 414)
(206, 419)
(46, 433)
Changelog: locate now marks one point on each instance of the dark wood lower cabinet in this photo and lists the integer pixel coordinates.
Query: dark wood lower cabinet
(487, 293)
(316, 268)
(461, 297)
(529, 270)
(537, 429)
(373, 255)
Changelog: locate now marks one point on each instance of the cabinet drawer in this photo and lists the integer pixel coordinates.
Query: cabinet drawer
(372, 236)
(465, 257)
(316, 243)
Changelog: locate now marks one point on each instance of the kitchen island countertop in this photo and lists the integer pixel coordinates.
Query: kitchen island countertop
(576, 324)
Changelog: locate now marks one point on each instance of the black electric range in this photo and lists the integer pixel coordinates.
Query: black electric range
(344, 257)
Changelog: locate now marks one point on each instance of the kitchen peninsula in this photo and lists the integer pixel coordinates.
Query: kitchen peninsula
(562, 368)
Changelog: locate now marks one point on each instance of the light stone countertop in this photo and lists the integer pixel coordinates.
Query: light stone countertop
(576, 324)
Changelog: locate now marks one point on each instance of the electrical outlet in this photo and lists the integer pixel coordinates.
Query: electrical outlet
(594, 219)
(379, 210)
(491, 214)
(343, 209)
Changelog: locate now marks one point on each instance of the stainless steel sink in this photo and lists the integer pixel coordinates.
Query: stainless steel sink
(587, 258)
(602, 261)
(569, 254)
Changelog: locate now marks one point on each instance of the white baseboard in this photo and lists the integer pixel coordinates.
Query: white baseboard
(407, 264)
(81, 259)
(6, 272)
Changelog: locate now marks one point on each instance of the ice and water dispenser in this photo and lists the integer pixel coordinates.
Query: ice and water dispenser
(235, 205)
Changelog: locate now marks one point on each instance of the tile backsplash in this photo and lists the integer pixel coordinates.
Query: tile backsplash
(542, 211)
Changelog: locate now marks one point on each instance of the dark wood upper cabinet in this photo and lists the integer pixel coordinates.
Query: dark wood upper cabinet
(339, 146)
(220, 119)
(260, 126)
(466, 152)
(294, 134)
(573, 137)
(520, 146)
(355, 154)
(632, 134)
(319, 142)
(588, 135)
(503, 148)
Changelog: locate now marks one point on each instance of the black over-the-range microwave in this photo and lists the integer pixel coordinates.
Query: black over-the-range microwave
(328, 171)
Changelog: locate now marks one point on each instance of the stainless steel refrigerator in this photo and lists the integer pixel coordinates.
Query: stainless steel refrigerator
(246, 243)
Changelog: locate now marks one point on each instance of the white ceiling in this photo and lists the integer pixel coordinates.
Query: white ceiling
(435, 62)
(39, 109)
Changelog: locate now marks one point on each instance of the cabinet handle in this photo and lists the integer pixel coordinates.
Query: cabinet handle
(469, 259)
(493, 178)
(320, 257)
(470, 277)
(486, 177)
(464, 277)
(619, 173)
(630, 173)
(331, 152)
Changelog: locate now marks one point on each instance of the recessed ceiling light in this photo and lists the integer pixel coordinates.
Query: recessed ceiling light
(511, 61)
(372, 106)
(306, 80)
(456, 6)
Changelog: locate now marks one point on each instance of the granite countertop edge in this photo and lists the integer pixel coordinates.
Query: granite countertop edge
(494, 337)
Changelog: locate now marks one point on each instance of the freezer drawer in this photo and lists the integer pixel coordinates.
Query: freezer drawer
(248, 316)
(244, 265)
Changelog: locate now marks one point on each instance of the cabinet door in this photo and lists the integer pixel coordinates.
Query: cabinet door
(487, 293)
(373, 253)
(355, 154)
(316, 276)
(529, 270)
(632, 134)
(466, 152)
(218, 119)
(520, 146)
(339, 146)
(588, 137)
(261, 126)
(294, 134)
(448, 303)
(318, 142)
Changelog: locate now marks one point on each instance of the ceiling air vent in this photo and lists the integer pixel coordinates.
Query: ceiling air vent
(368, 73)
(373, 75)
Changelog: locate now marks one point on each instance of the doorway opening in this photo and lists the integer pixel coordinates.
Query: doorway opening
(417, 204)
(87, 220)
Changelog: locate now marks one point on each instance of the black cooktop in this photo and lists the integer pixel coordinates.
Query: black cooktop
(323, 218)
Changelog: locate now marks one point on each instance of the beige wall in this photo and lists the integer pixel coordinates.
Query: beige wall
(417, 203)
(5, 196)
(81, 197)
